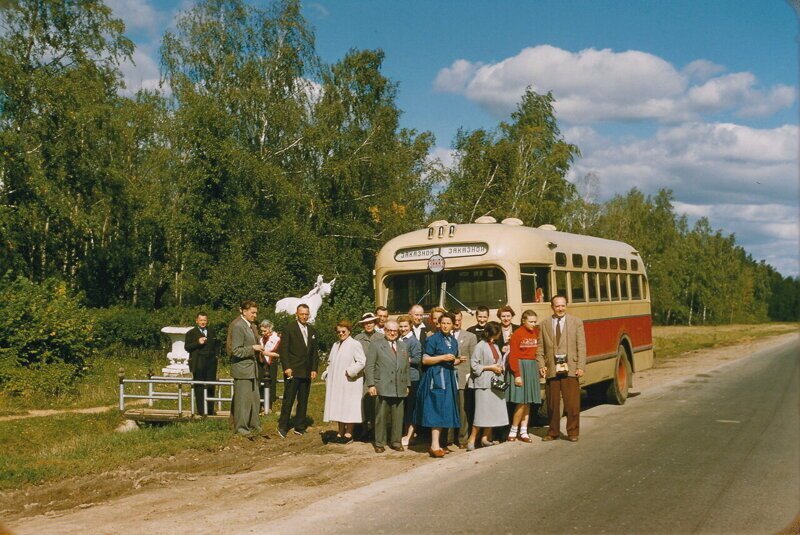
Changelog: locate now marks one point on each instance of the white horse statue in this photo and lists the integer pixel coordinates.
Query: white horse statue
(313, 299)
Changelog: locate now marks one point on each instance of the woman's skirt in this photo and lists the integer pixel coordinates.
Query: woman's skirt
(490, 408)
(437, 398)
(529, 392)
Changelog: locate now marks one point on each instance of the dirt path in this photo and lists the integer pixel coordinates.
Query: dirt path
(38, 413)
(226, 491)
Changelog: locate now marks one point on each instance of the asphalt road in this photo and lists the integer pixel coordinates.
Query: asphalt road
(715, 453)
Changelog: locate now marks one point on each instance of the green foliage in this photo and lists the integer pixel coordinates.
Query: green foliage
(517, 171)
(45, 336)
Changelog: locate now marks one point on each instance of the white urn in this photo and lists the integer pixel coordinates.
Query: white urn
(178, 356)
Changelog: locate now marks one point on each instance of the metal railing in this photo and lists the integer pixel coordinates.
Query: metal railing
(182, 388)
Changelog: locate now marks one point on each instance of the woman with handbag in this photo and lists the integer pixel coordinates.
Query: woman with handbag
(523, 375)
(486, 377)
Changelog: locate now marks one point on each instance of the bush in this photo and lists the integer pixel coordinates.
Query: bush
(45, 336)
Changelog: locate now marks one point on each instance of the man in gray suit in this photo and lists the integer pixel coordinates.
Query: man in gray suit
(244, 349)
(466, 396)
(562, 350)
(387, 378)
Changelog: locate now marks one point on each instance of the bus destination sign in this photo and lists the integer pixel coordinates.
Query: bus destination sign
(448, 251)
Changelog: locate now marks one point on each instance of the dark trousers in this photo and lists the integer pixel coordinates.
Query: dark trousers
(204, 371)
(387, 410)
(466, 409)
(410, 404)
(294, 388)
(568, 389)
(368, 408)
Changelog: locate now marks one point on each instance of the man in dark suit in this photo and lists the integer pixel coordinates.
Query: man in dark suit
(387, 378)
(203, 349)
(300, 360)
(562, 350)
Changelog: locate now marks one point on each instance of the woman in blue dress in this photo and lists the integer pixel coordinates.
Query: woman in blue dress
(437, 393)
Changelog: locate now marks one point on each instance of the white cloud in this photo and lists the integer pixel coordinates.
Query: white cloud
(743, 179)
(141, 73)
(592, 85)
(139, 15)
(320, 9)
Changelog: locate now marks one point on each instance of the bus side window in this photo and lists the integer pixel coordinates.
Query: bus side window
(614, 279)
(534, 283)
(578, 287)
(593, 287)
(561, 283)
(636, 290)
(604, 287)
(623, 286)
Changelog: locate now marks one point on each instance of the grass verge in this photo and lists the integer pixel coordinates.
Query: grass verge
(673, 341)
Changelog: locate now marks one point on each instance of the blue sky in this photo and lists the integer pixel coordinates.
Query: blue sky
(696, 96)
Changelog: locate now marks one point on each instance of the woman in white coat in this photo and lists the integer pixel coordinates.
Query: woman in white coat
(344, 383)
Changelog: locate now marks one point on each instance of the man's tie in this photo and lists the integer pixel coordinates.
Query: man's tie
(558, 332)
(394, 349)
(304, 329)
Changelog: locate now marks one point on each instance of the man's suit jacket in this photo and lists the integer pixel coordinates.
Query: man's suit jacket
(243, 356)
(466, 345)
(202, 357)
(575, 341)
(388, 372)
(295, 355)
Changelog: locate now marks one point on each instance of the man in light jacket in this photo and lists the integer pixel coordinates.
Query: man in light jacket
(562, 350)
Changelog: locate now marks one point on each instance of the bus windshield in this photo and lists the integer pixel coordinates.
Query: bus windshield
(463, 288)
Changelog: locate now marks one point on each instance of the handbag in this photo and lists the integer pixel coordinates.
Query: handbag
(499, 383)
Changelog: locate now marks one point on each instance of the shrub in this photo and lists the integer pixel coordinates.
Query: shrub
(45, 335)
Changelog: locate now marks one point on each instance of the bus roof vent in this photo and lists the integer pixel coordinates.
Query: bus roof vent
(485, 220)
(513, 221)
(547, 227)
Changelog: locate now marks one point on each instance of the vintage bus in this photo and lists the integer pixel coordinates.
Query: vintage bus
(489, 263)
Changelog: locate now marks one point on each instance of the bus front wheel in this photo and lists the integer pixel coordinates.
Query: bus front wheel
(618, 387)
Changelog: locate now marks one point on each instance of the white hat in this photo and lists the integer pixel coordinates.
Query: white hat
(368, 317)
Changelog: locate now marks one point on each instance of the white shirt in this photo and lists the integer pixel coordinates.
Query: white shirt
(418, 330)
(304, 330)
(556, 321)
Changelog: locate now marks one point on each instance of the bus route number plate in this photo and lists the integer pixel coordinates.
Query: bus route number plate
(436, 263)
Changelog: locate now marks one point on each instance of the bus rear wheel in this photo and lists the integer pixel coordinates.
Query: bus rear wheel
(617, 391)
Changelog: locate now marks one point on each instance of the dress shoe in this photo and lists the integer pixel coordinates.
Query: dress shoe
(299, 431)
(572, 439)
(525, 438)
(462, 446)
(487, 443)
(347, 439)
(548, 438)
(511, 439)
(470, 446)
(282, 433)
(396, 447)
(436, 454)
(379, 449)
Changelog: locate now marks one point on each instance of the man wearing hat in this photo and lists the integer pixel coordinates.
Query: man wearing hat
(368, 322)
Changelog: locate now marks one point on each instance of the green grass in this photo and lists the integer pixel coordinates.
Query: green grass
(673, 341)
(55, 447)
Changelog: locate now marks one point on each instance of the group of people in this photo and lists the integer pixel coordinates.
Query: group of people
(398, 377)
(401, 376)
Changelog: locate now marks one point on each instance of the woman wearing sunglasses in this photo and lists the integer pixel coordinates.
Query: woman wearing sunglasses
(344, 383)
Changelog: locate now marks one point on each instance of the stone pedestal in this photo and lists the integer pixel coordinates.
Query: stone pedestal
(178, 356)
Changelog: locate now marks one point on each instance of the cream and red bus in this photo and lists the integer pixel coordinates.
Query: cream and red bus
(493, 264)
